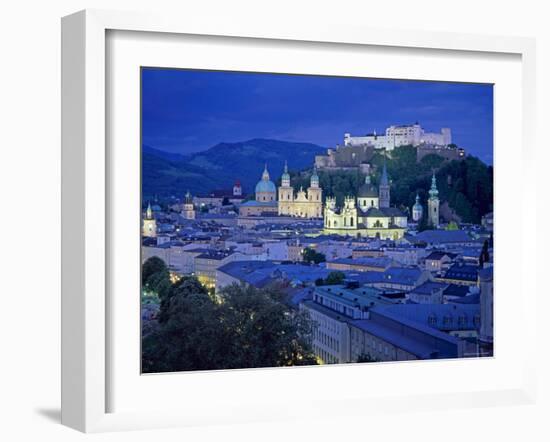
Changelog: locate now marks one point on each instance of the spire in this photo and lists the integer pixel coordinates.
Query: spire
(188, 199)
(384, 180)
(433, 190)
(384, 188)
(417, 199)
(265, 175)
(367, 179)
(314, 181)
(149, 212)
(285, 178)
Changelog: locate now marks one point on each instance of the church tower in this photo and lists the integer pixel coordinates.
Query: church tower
(188, 211)
(237, 189)
(384, 188)
(286, 193)
(315, 196)
(149, 223)
(417, 210)
(433, 204)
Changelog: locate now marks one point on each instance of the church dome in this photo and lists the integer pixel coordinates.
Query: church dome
(265, 184)
(417, 206)
(367, 190)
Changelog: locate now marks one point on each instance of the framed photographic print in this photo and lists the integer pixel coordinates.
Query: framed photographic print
(250, 211)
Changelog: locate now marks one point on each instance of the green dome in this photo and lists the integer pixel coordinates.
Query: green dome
(367, 190)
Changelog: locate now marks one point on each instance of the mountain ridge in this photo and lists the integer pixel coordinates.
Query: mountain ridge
(218, 167)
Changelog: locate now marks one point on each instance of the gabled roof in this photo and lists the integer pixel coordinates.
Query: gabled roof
(381, 262)
(438, 255)
(444, 317)
(403, 275)
(429, 287)
(254, 203)
(373, 212)
(456, 290)
(392, 211)
(442, 236)
(462, 271)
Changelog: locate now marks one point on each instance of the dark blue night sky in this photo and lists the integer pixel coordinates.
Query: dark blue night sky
(187, 111)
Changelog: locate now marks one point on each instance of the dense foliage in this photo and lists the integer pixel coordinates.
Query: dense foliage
(311, 256)
(466, 185)
(242, 327)
(333, 278)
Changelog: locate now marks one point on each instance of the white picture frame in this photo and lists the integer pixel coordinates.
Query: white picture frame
(85, 197)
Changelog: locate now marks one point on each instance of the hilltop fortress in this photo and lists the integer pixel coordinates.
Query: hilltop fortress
(357, 151)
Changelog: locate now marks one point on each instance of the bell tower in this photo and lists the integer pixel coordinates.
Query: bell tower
(188, 211)
(433, 204)
(149, 223)
(384, 189)
(286, 193)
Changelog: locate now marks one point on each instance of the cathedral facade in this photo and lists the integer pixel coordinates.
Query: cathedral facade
(302, 204)
(366, 215)
(270, 201)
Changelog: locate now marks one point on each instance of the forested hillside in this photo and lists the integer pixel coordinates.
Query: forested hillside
(466, 185)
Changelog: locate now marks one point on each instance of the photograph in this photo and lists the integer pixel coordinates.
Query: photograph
(294, 220)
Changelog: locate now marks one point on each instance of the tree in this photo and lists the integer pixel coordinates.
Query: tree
(159, 283)
(262, 331)
(319, 281)
(452, 226)
(248, 328)
(186, 286)
(311, 256)
(334, 278)
(150, 267)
